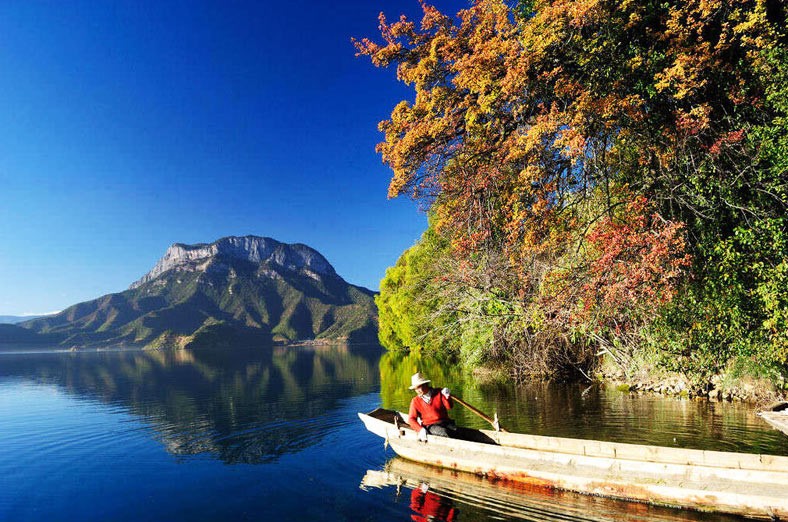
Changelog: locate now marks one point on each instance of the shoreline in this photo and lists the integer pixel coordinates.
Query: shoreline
(759, 392)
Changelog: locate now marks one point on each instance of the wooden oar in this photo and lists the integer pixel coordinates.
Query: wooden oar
(495, 424)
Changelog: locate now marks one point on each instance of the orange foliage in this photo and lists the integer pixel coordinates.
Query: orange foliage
(517, 122)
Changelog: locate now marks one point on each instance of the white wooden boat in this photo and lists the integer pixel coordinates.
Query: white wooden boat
(750, 485)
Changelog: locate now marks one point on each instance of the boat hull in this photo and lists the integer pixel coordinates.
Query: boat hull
(755, 486)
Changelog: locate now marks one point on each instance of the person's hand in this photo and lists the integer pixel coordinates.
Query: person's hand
(446, 392)
(423, 434)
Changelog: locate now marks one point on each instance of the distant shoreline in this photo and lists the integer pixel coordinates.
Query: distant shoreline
(17, 350)
(38, 350)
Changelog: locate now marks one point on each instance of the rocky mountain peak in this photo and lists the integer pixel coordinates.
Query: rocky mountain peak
(293, 257)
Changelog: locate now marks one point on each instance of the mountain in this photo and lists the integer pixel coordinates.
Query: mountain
(15, 337)
(237, 289)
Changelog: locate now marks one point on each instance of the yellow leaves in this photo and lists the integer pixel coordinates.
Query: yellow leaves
(752, 28)
(636, 62)
(398, 183)
(707, 7)
(511, 120)
(530, 174)
(750, 22)
(489, 45)
(572, 13)
(706, 38)
(546, 30)
(636, 12)
(401, 111)
(582, 13)
(572, 143)
(687, 75)
(487, 17)
(546, 124)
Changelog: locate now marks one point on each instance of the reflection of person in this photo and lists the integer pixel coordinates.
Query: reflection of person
(431, 507)
(429, 409)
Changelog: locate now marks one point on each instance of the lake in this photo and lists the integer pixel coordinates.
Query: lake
(272, 433)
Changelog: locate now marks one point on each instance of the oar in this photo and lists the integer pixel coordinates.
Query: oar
(494, 422)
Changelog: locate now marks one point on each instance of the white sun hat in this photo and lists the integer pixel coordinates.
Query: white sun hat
(417, 380)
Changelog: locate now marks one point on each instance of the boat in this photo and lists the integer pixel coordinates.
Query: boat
(749, 485)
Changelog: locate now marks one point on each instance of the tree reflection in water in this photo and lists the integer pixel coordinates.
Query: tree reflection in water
(587, 411)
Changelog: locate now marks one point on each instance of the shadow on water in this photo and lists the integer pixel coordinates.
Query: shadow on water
(240, 406)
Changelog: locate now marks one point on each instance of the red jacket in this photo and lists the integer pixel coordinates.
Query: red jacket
(437, 410)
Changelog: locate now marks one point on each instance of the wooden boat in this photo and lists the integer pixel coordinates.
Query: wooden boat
(750, 485)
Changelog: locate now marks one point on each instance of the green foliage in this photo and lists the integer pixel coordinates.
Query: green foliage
(741, 368)
(407, 303)
(738, 306)
(432, 304)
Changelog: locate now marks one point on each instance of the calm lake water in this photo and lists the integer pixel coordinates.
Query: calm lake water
(272, 434)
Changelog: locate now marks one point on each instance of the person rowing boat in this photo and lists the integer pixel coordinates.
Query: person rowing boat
(429, 409)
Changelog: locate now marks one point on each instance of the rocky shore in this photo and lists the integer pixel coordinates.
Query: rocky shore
(760, 392)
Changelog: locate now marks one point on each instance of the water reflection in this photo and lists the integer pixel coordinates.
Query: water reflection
(87, 454)
(588, 411)
(439, 494)
(244, 406)
(428, 505)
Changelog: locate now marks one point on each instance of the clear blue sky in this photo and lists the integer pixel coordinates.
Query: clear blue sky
(127, 126)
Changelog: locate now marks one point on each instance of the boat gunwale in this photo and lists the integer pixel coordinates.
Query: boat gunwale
(620, 450)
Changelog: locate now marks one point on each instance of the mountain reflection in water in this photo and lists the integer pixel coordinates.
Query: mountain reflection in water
(244, 406)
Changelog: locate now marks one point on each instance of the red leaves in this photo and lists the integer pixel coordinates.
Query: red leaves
(731, 138)
(635, 266)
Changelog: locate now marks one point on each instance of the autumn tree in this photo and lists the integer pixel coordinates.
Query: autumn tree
(561, 135)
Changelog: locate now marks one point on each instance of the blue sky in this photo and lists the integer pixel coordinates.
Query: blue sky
(128, 126)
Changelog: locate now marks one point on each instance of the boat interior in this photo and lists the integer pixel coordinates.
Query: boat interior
(401, 422)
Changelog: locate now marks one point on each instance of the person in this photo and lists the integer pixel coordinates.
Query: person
(429, 409)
